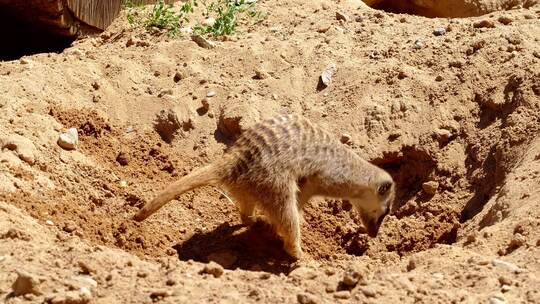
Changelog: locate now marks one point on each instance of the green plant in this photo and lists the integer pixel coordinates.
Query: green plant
(227, 16)
(162, 16)
(133, 11)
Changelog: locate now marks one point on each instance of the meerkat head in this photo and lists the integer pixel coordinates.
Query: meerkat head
(375, 202)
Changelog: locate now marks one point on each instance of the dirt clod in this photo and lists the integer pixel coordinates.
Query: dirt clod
(26, 283)
(22, 146)
(430, 187)
(307, 298)
(213, 268)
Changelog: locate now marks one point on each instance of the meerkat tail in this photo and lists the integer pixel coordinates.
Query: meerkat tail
(207, 175)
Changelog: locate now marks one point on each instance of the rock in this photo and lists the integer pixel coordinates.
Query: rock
(368, 291)
(505, 20)
(430, 187)
(261, 74)
(70, 226)
(69, 139)
(517, 241)
(505, 281)
(345, 138)
(439, 78)
(177, 77)
(214, 269)
(507, 265)
(439, 31)
(211, 94)
(122, 158)
(413, 263)
(86, 268)
(442, 135)
(303, 273)
(160, 294)
(165, 92)
(26, 283)
(203, 42)
(343, 294)
(306, 298)
(225, 258)
(486, 23)
(497, 300)
(419, 44)
(209, 22)
(342, 17)
(326, 75)
(22, 146)
(49, 222)
(352, 277)
(234, 120)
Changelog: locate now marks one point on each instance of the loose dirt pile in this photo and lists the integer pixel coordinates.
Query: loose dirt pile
(450, 107)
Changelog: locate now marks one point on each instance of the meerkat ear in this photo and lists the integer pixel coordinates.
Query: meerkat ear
(384, 187)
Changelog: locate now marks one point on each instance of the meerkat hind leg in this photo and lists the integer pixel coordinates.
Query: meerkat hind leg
(284, 215)
(246, 206)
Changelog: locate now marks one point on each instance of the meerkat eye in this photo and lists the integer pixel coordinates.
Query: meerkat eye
(384, 187)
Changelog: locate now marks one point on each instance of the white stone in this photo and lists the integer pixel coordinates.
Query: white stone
(69, 139)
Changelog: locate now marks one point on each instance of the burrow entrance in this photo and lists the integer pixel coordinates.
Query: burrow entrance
(203, 225)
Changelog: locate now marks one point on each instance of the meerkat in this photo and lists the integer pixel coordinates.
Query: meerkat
(280, 163)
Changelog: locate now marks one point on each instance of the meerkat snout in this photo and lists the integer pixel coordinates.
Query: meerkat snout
(375, 204)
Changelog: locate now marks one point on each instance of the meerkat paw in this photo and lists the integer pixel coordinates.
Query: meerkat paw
(294, 251)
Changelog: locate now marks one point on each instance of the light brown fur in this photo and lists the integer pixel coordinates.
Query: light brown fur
(277, 166)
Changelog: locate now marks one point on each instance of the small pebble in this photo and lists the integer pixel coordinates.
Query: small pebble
(484, 24)
(439, 31)
(430, 187)
(69, 139)
(177, 77)
(345, 138)
(70, 227)
(497, 300)
(203, 42)
(261, 74)
(211, 94)
(342, 17)
(326, 75)
(419, 44)
(505, 20)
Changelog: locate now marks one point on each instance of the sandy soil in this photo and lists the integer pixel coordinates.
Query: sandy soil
(455, 118)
